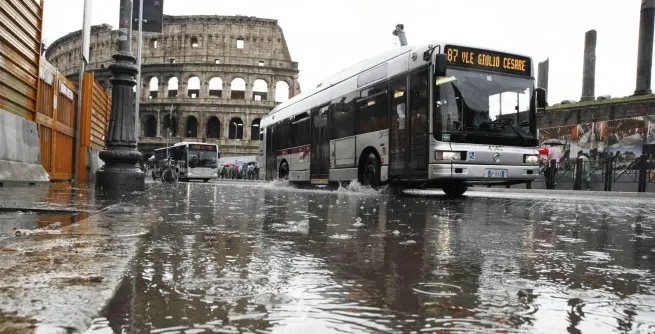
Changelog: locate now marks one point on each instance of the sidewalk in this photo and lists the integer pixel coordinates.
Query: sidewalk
(63, 253)
(563, 192)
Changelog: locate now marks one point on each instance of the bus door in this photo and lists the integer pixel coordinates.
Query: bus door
(271, 153)
(320, 145)
(418, 119)
(398, 128)
(408, 135)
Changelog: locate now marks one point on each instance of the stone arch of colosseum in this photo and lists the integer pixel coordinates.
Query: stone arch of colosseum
(204, 48)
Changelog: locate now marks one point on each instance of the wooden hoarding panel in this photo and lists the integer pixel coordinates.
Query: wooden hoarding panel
(21, 22)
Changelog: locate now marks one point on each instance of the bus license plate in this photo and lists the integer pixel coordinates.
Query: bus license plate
(498, 173)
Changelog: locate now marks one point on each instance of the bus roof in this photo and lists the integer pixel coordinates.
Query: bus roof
(193, 143)
(184, 143)
(344, 74)
(397, 60)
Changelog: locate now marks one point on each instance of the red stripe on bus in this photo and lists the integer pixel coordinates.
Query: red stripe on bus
(293, 150)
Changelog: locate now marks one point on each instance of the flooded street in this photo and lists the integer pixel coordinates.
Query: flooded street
(254, 257)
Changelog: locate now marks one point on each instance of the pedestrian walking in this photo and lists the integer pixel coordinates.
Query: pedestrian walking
(586, 169)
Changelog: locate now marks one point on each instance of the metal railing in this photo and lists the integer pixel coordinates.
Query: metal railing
(608, 171)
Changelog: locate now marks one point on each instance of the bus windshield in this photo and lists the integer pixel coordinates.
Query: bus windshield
(202, 159)
(482, 108)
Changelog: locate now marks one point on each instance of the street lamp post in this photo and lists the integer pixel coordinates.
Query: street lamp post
(120, 173)
(236, 131)
(169, 130)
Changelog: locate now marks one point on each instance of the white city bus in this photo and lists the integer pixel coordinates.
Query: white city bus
(432, 116)
(192, 160)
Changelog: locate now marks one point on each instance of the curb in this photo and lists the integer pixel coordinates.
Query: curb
(96, 235)
(564, 192)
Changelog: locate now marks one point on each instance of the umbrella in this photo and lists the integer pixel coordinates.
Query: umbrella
(553, 142)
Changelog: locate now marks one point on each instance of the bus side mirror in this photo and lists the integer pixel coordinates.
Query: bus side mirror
(540, 96)
(440, 65)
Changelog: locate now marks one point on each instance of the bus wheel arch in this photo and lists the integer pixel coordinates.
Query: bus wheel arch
(283, 170)
(369, 168)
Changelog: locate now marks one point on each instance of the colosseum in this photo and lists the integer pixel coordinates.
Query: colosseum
(205, 78)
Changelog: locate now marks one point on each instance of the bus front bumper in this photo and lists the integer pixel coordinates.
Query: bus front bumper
(201, 173)
(484, 174)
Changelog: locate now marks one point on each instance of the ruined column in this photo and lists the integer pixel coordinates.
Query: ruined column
(162, 89)
(589, 67)
(159, 122)
(270, 95)
(181, 124)
(227, 90)
(248, 90)
(182, 89)
(145, 91)
(246, 127)
(645, 53)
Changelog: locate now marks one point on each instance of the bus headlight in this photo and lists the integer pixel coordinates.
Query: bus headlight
(530, 159)
(447, 155)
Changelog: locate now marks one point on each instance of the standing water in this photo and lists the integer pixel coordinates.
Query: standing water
(250, 258)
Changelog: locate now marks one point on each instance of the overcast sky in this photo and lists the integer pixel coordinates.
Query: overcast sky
(327, 36)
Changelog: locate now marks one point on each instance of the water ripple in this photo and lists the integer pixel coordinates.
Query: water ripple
(265, 257)
(438, 289)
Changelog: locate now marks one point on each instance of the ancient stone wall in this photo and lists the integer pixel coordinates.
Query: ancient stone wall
(219, 74)
(562, 115)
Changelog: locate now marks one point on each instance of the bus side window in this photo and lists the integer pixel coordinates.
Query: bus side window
(286, 134)
(419, 100)
(283, 138)
(176, 153)
(398, 99)
(300, 129)
(343, 116)
(373, 108)
(270, 139)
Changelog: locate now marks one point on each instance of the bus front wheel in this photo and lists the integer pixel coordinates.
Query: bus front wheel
(370, 173)
(455, 190)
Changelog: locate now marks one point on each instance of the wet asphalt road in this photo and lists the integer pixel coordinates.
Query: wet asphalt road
(252, 257)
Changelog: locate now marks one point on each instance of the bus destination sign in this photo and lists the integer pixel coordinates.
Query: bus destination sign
(488, 60)
(198, 147)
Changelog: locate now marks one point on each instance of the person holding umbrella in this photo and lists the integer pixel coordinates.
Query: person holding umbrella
(553, 151)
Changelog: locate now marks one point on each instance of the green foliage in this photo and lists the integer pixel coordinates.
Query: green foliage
(603, 102)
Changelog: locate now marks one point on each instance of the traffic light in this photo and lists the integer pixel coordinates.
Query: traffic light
(153, 15)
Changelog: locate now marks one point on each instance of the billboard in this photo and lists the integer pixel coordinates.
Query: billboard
(624, 139)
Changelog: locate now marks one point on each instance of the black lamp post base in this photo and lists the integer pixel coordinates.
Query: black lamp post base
(120, 179)
(120, 175)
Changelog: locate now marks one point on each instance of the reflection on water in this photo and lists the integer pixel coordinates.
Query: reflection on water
(257, 259)
(13, 220)
(54, 206)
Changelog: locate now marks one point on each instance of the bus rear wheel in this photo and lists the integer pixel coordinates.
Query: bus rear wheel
(455, 190)
(370, 173)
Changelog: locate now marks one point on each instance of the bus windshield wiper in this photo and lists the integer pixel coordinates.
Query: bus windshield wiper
(509, 122)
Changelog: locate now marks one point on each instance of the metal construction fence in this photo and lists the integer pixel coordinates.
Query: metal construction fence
(603, 174)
